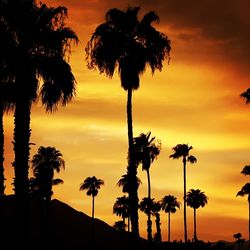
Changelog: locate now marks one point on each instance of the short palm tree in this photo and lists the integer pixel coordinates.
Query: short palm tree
(92, 185)
(156, 208)
(245, 190)
(124, 183)
(121, 208)
(146, 206)
(195, 199)
(123, 41)
(182, 151)
(146, 151)
(169, 204)
(44, 164)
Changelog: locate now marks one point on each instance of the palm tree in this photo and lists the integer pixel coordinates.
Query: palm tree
(124, 183)
(44, 163)
(146, 151)
(146, 206)
(92, 185)
(42, 45)
(182, 151)
(121, 208)
(195, 199)
(156, 208)
(246, 95)
(245, 190)
(129, 44)
(169, 204)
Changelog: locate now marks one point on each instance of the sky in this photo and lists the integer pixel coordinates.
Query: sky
(195, 100)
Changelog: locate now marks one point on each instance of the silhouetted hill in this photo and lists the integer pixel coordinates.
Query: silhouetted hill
(66, 229)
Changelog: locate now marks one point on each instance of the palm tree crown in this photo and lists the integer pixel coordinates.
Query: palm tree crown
(182, 150)
(196, 198)
(246, 95)
(44, 163)
(125, 42)
(169, 203)
(92, 185)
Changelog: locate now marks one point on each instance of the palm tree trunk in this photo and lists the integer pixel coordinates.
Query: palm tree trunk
(149, 184)
(128, 224)
(169, 226)
(21, 167)
(2, 186)
(132, 171)
(93, 207)
(185, 202)
(150, 238)
(195, 234)
(158, 227)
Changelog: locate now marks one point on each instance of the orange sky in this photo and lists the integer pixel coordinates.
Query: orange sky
(194, 100)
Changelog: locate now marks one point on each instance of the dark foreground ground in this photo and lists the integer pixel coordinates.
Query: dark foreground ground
(64, 228)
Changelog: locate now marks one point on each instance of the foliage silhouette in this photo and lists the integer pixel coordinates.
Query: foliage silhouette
(123, 41)
(92, 185)
(169, 204)
(124, 183)
(44, 163)
(182, 151)
(121, 208)
(146, 150)
(195, 199)
(120, 226)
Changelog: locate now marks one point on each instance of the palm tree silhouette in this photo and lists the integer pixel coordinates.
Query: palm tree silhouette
(146, 206)
(44, 163)
(182, 151)
(195, 199)
(121, 208)
(129, 44)
(245, 190)
(146, 151)
(169, 204)
(124, 183)
(156, 208)
(40, 54)
(92, 185)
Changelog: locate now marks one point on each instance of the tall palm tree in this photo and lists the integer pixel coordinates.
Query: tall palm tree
(123, 41)
(156, 208)
(44, 163)
(92, 185)
(245, 190)
(146, 206)
(121, 208)
(182, 151)
(146, 151)
(195, 199)
(169, 204)
(42, 46)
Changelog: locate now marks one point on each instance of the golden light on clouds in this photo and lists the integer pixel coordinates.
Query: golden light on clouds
(194, 100)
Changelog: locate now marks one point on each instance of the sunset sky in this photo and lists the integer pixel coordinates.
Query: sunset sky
(194, 100)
